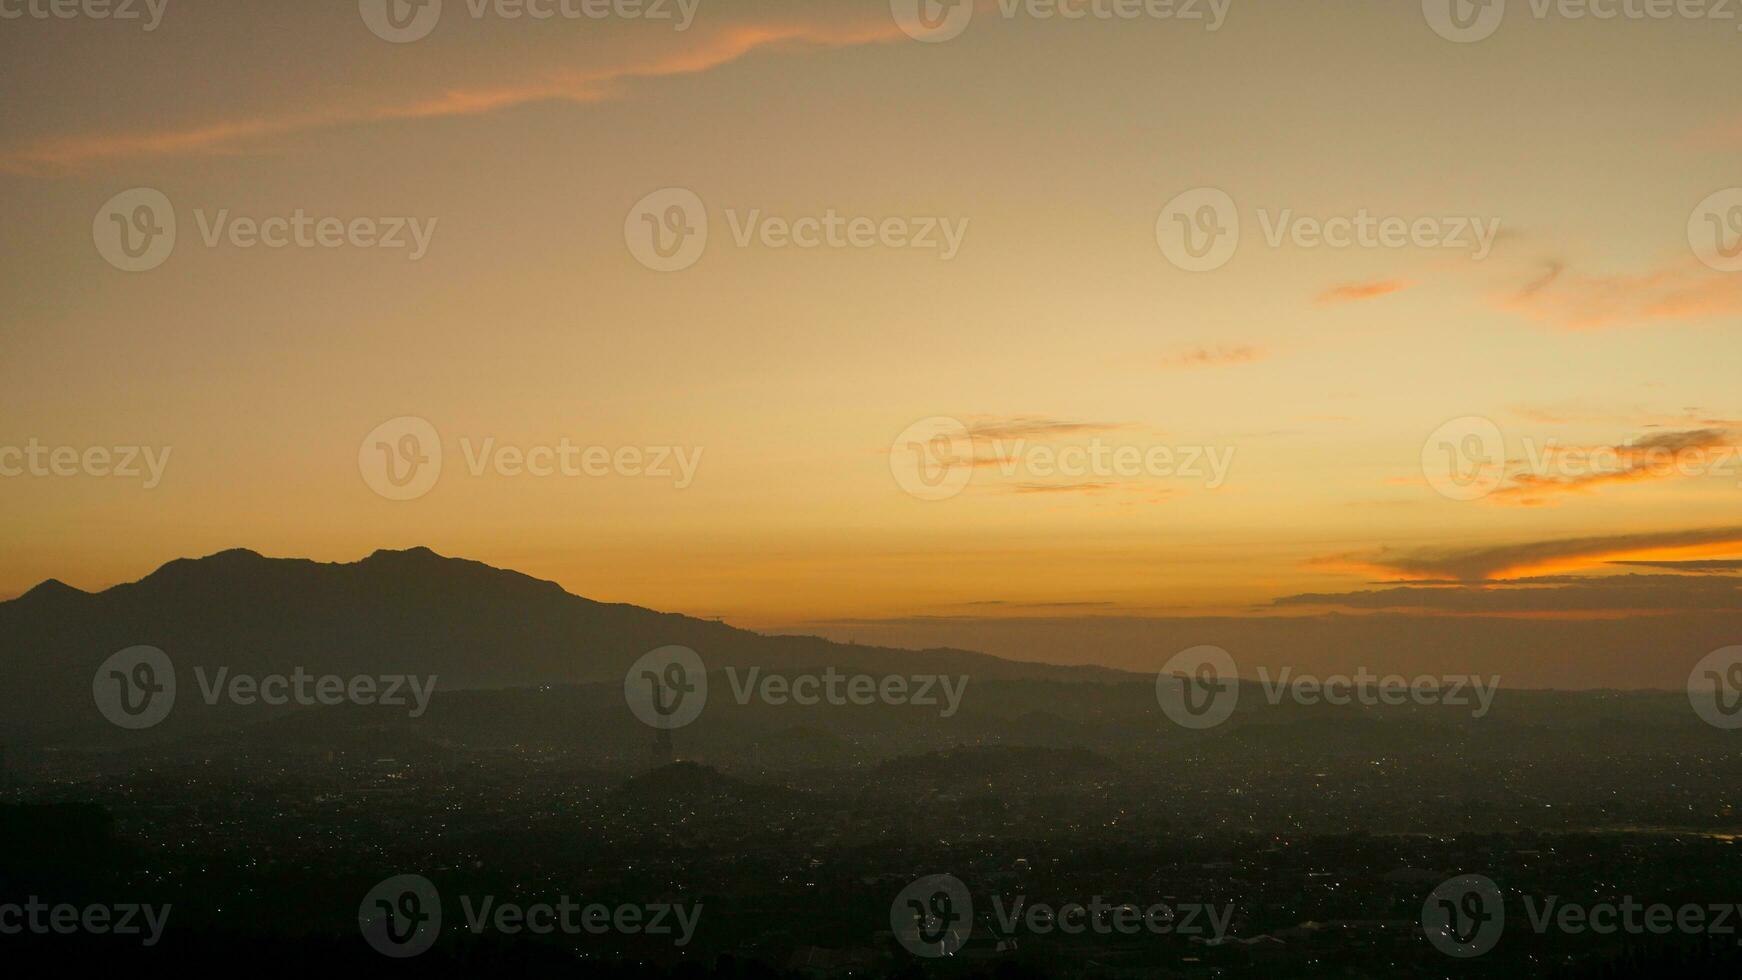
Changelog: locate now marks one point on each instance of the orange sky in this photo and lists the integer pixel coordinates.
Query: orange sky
(1128, 436)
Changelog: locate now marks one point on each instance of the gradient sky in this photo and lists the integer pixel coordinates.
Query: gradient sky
(1061, 320)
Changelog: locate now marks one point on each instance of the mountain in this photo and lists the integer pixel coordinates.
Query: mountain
(408, 612)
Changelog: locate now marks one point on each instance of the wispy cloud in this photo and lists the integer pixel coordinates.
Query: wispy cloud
(1360, 291)
(1481, 564)
(1035, 427)
(1062, 487)
(249, 133)
(1218, 356)
(1660, 456)
(1689, 417)
(1617, 594)
(1714, 566)
(1682, 290)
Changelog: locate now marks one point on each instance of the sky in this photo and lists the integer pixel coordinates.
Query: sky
(969, 337)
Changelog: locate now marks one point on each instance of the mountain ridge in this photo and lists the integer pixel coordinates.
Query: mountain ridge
(411, 611)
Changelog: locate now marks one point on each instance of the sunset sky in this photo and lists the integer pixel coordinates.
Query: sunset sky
(1060, 321)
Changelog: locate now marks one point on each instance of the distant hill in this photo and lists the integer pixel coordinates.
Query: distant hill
(394, 612)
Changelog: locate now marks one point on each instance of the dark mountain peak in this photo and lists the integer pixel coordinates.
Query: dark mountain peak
(51, 590)
(429, 569)
(417, 569)
(407, 555)
(414, 612)
(228, 564)
(228, 559)
(231, 556)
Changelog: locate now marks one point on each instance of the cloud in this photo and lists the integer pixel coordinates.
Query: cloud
(1680, 290)
(244, 134)
(1361, 291)
(1482, 564)
(1659, 456)
(1220, 356)
(1713, 565)
(1035, 427)
(1562, 594)
(1062, 487)
(1692, 416)
(1008, 604)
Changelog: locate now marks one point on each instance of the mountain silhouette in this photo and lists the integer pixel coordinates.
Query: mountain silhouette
(412, 612)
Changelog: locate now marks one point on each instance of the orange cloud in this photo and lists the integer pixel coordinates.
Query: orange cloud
(1062, 487)
(1535, 557)
(1220, 356)
(1360, 291)
(1661, 456)
(69, 153)
(1031, 426)
(1683, 290)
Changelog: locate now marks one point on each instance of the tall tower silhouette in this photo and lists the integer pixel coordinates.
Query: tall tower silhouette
(662, 751)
